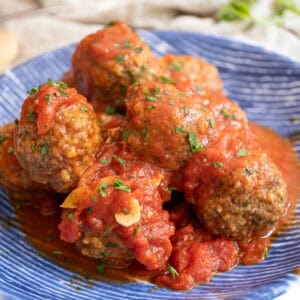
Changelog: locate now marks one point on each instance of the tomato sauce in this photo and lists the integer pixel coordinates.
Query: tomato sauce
(44, 235)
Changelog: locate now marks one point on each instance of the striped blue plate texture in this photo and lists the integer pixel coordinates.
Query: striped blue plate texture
(266, 85)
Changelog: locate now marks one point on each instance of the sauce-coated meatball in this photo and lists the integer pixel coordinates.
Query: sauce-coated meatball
(165, 126)
(191, 74)
(107, 62)
(57, 137)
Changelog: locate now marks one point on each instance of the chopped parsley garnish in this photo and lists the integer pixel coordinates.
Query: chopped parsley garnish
(152, 95)
(194, 145)
(218, 165)
(172, 271)
(172, 102)
(100, 268)
(104, 254)
(118, 185)
(16, 122)
(119, 159)
(104, 161)
(84, 108)
(120, 59)
(4, 251)
(89, 210)
(136, 229)
(10, 150)
(2, 138)
(198, 89)
(142, 71)
(31, 116)
(138, 49)
(144, 132)
(247, 171)
(33, 91)
(242, 153)
(57, 252)
(110, 110)
(111, 23)
(266, 254)
(102, 188)
(151, 107)
(178, 129)
(94, 198)
(132, 175)
(48, 98)
(186, 110)
(132, 77)
(125, 134)
(165, 79)
(60, 85)
(226, 113)
(71, 217)
(126, 44)
(77, 288)
(211, 123)
(171, 189)
(111, 245)
(175, 66)
(44, 149)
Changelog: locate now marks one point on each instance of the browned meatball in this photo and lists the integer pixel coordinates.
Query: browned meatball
(191, 74)
(13, 177)
(107, 62)
(165, 126)
(236, 191)
(58, 136)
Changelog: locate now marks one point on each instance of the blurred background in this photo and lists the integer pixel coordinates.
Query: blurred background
(30, 27)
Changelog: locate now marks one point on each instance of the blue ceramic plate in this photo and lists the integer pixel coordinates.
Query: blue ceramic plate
(266, 85)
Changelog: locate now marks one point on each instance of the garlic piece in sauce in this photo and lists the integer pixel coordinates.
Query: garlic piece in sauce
(130, 216)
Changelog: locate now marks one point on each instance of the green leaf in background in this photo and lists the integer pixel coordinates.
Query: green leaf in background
(281, 6)
(235, 10)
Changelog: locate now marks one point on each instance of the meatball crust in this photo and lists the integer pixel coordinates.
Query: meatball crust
(56, 140)
(163, 125)
(12, 176)
(107, 62)
(246, 205)
(191, 74)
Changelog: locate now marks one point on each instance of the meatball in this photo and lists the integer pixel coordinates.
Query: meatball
(165, 126)
(236, 190)
(12, 176)
(107, 62)
(117, 211)
(191, 74)
(58, 136)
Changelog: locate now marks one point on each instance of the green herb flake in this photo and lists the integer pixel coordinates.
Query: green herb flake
(16, 122)
(100, 268)
(211, 122)
(48, 98)
(119, 159)
(103, 255)
(120, 59)
(172, 102)
(110, 110)
(57, 252)
(186, 110)
(179, 129)
(33, 148)
(172, 271)
(89, 210)
(126, 44)
(71, 217)
(225, 112)
(235, 10)
(84, 108)
(247, 171)
(151, 107)
(198, 89)
(218, 165)
(111, 23)
(132, 175)
(171, 189)
(165, 79)
(125, 134)
(104, 161)
(2, 138)
(242, 153)
(175, 66)
(136, 230)
(194, 145)
(33, 91)
(138, 49)
(267, 253)
(44, 149)
(10, 150)
(4, 251)
(111, 245)
(31, 116)
(94, 198)
(102, 188)
(118, 185)
(77, 288)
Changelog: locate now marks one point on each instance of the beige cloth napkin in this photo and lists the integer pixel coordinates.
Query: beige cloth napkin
(43, 25)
